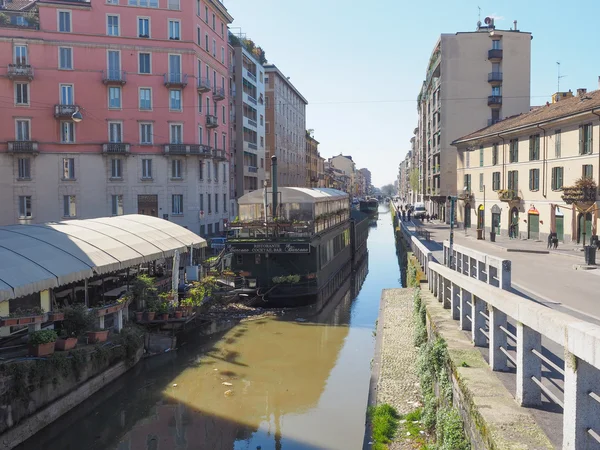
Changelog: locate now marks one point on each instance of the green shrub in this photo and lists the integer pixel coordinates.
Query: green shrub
(78, 320)
(384, 424)
(42, 337)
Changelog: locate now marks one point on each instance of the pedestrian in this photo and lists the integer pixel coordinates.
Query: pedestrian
(403, 216)
(554, 241)
(408, 215)
(550, 240)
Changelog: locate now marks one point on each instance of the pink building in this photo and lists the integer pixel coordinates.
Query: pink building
(112, 107)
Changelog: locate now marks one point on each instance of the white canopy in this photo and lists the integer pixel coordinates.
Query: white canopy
(38, 257)
(294, 195)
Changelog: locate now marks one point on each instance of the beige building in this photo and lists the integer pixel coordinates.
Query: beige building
(321, 171)
(312, 160)
(346, 165)
(518, 171)
(285, 128)
(473, 79)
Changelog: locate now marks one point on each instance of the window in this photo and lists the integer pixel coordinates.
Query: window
(206, 14)
(208, 166)
(217, 203)
(199, 37)
(585, 139)
(117, 205)
(216, 168)
(65, 58)
(468, 159)
(67, 132)
(206, 46)
(513, 180)
(112, 26)
(557, 178)
(22, 131)
(146, 168)
(116, 168)
(209, 196)
(557, 139)
(146, 133)
(587, 171)
(262, 142)
(24, 206)
(201, 202)
(143, 3)
(481, 156)
(176, 168)
(173, 4)
(481, 183)
(223, 114)
(20, 54)
(214, 52)
(224, 202)
(24, 168)
(145, 99)
(21, 94)
(262, 120)
(68, 169)
(66, 94)
(496, 181)
(174, 30)
(222, 30)
(64, 21)
(143, 27)
(495, 154)
(200, 136)
(534, 179)
(496, 44)
(69, 206)
(175, 100)
(115, 132)
(114, 97)
(513, 151)
(534, 147)
(467, 182)
(214, 22)
(267, 127)
(224, 173)
(145, 67)
(176, 133)
(222, 55)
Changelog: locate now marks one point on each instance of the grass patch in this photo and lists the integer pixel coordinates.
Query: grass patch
(384, 425)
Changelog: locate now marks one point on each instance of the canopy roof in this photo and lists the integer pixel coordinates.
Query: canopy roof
(38, 257)
(294, 195)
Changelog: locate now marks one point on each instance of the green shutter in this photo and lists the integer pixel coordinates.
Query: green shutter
(589, 138)
(560, 184)
(581, 139)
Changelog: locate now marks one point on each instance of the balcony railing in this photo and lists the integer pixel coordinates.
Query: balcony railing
(495, 54)
(20, 19)
(20, 72)
(495, 100)
(252, 99)
(115, 147)
(219, 153)
(218, 93)
(494, 77)
(65, 111)
(252, 169)
(114, 77)
(212, 121)
(252, 123)
(251, 145)
(200, 149)
(176, 149)
(251, 75)
(22, 146)
(204, 85)
(176, 79)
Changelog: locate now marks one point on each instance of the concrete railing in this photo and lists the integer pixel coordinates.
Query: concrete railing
(484, 267)
(422, 253)
(485, 310)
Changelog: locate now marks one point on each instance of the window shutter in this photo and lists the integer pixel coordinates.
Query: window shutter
(560, 175)
(590, 135)
(516, 181)
(581, 139)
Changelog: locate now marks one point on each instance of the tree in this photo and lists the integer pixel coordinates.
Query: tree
(414, 180)
(388, 190)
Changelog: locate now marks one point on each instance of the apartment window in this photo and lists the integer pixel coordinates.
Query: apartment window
(20, 54)
(224, 202)
(557, 178)
(143, 27)
(481, 156)
(112, 26)
(145, 99)
(513, 151)
(217, 203)
(222, 55)
(214, 52)
(587, 171)
(24, 168)
(468, 158)
(467, 182)
(115, 132)
(534, 147)
(496, 44)
(206, 46)
(206, 14)
(201, 170)
(481, 183)
(209, 197)
(216, 168)
(173, 4)
(64, 21)
(69, 206)
(214, 22)
(65, 58)
(585, 139)
(66, 94)
(67, 132)
(262, 142)
(267, 127)
(117, 205)
(21, 93)
(495, 154)
(22, 130)
(176, 168)
(496, 181)
(175, 100)
(199, 37)
(223, 113)
(146, 134)
(174, 30)
(224, 173)
(534, 179)
(176, 133)
(114, 97)
(146, 168)
(557, 143)
(208, 166)
(144, 63)
(262, 120)
(24, 206)
(202, 202)
(68, 168)
(513, 180)
(116, 168)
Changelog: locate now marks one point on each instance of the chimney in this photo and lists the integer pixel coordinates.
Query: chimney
(598, 82)
(515, 23)
(581, 92)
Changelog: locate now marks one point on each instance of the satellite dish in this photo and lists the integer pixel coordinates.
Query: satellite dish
(488, 20)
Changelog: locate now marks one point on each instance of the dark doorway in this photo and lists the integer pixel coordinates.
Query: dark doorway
(148, 205)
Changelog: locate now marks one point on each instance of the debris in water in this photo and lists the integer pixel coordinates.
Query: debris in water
(225, 383)
(300, 319)
(174, 384)
(216, 369)
(228, 393)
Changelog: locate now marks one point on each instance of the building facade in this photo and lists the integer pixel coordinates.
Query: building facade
(285, 128)
(473, 79)
(116, 108)
(404, 170)
(321, 171)
(346, 166)
(366, 173)
(248, 92)
(312, 160)
(520, 172)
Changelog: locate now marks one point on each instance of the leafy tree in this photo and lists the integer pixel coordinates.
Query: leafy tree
(388, 190)
(414, 180)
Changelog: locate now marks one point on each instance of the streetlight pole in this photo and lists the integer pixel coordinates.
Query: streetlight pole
(451, 247)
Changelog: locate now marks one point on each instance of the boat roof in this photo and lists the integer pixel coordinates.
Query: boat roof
(294, 195)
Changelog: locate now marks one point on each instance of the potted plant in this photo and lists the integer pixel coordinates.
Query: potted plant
(139, 315)
(56, 316)
(151, 310)
(41, 343)
(97, 335)
(163, 311)
(78, 320)
(178, 313)
(28, 315)
(65, 342)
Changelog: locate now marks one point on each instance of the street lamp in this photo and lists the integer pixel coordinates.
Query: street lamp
(76, 116)
(452, 201)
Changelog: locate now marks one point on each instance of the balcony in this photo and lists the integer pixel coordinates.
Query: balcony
(22, 146)
(211, 121)
(251, 145)
(508, 195)
(251, 75)
(118, 77)
(176, 149)
(204, 85)
(250, 122)
(115, 148)
(200, 149)
(495, 101)
(495, 78)
(218, 93)
(250, 99)
(219, 154)
(495, 55)
(252, 169)
(20, 19)
(65, 111)
(20, 72)
(176, 80)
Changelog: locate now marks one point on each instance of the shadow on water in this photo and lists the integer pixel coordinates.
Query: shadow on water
(297, 381)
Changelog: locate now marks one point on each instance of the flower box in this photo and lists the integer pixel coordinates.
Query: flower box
(42, 349)
(9, 321)
(164, 316)
(97, 336)
(56, 316)
(178, 314)
(66, 344)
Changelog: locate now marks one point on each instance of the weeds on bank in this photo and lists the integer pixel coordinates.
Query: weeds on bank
(384, 425)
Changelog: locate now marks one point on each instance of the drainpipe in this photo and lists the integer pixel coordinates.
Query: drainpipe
(274, 184)
(544, 164)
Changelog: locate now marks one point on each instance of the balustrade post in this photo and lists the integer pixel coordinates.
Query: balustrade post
(481, 275)
(497, 358)
(440, 292)
(119, 320)
(101, 322)
(459, 262)
(468, 261)
(465, 309)
(446, 294)
(504, 273)
(454, 301)
(581, 412)
(477, 337)
(528, 365)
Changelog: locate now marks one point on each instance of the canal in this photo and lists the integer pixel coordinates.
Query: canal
(297, 381)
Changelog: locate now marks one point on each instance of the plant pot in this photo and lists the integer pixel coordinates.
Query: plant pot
(165, 316)
(150, 315)
(139, 315)
(42, 349)
(56, 316)
(66, 344)
(97, 336)
(178, 314)
(9, 322)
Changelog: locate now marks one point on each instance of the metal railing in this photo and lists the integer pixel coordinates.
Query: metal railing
(251, 75)
(115, 147)
(495, 53)
(65, 111)
(494, 76)
(114, 77)
(22, 146)
(212, 121)
(219, 93)
(19, 71)
(175, 79)
(204, 84)
(252, 169)
(494, 100)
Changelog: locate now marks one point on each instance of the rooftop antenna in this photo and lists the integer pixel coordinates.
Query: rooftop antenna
(559, 76)
(478, 18)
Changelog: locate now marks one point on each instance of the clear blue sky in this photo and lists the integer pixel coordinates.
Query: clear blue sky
(361, 66)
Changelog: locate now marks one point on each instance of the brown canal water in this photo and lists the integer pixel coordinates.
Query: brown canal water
(296, 381)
